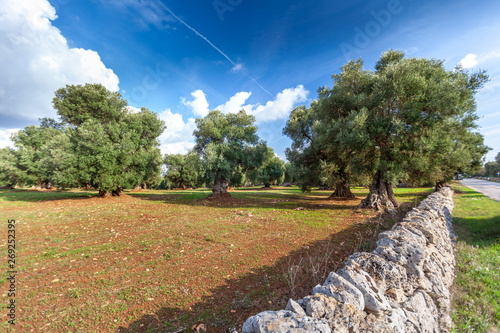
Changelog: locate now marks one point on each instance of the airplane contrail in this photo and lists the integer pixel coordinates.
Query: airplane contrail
(211, 44)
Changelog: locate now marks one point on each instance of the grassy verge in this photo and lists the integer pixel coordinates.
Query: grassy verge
(477, 285)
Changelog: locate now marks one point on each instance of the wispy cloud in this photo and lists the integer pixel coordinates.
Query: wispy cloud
(239, 67)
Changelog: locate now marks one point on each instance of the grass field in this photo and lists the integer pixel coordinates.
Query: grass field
(165, 260)
(476, 303)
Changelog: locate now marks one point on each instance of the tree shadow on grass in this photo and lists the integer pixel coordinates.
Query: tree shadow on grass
(477, 231)
(249, 201)
(318, 200)
(37, 195)
(267, 287)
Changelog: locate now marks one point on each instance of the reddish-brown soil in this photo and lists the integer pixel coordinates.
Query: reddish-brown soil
(162, 261)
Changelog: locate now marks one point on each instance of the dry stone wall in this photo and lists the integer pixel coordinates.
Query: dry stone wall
(401, 286)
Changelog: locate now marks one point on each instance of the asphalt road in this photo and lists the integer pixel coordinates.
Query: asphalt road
(489, 189)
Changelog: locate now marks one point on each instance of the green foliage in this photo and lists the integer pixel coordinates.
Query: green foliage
(59, 163)
(29, 142)
(9, 173)
(336, 119)
(271, 172)
(410, 120)
(184, 170)
(76, 103)
(238, 177)
(290, 174)
(114, 148)
(227, 142)
(492, 169)
(146, 167)
(423, 113)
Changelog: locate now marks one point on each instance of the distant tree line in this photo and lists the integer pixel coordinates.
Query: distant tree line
(492, 168)
(228, 153)
(99, 143)
(410, 120)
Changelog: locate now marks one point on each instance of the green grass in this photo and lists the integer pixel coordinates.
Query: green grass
(477, 286)
(32, 195)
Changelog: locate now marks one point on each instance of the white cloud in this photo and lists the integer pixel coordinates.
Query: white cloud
(279, 108)
(199, 105)
(5, 137)
(282, 105)
(35, 60)
(472, 60)
(235, 103)
(178, 137)
(237, 68)
(469, 61)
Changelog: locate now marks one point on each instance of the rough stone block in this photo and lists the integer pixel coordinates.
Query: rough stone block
(284, 322)
(341, 290)
(295, 307)
(375, 301)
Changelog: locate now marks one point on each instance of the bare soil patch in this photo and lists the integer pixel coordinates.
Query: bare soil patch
(163, 260)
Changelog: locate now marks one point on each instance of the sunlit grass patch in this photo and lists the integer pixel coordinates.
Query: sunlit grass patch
(477, 286)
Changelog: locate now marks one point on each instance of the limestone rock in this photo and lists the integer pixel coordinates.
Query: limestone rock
(341, 317)
(295, 307)
(402, 286)
(421, 313)
(375, 301)
(393, 321)
(341, 290)
(385, 273)
(284, 322)
(403, 248)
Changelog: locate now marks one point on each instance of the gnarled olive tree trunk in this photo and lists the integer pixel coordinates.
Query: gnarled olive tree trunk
(439, 185)
(219, 190)
(140, 187)
(114, 193)
(342, 190)
(381, 195)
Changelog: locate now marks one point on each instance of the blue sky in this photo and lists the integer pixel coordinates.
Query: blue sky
(182, 59)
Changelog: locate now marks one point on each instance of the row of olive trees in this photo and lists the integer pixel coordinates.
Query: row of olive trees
(227, 152)
(98, 143)
(191, 171)
(410, 120)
